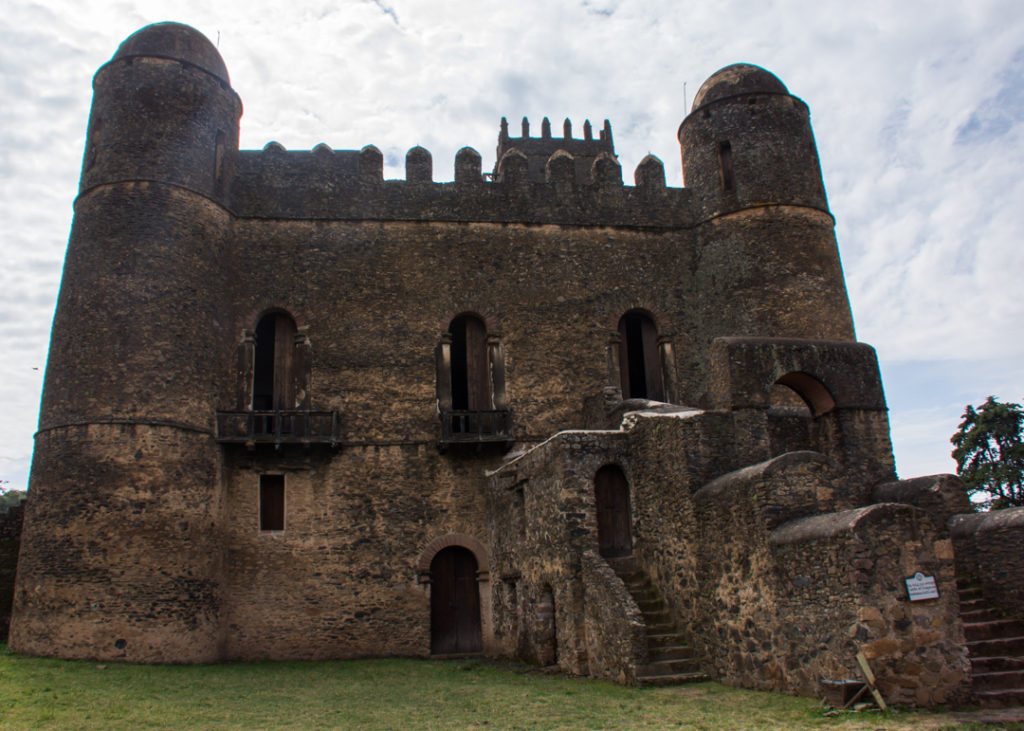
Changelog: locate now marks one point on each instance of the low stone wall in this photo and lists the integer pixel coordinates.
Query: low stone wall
(615, 635)
(787, 601)
(990, 550)
(940, 496)
(841, 577)
(10, 541)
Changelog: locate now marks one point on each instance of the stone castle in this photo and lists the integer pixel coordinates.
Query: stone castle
(293, 410)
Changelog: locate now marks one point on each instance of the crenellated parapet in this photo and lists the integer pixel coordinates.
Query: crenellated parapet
(349, 185)
(538, 150)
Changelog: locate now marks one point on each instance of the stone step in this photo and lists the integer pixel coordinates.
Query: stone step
(996, 664)
(969, 594)
(980, 615)
(622, 564)
(663, 628)
(1004, 680)
(967, 605)
(676, 679)
(646, 591)
(1000, 698)
(669, 638)
(998, 647)
(670, 652)
(668, 667)
(993, 629)
(657, 606)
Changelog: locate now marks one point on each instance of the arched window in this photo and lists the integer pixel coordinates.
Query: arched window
(471, 383)
(639, 358)
(273, 379)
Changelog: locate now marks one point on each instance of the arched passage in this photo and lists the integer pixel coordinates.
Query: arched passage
(614, 518)
(811, 391)
(455, 626)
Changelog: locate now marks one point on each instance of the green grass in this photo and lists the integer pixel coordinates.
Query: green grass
(387, 694)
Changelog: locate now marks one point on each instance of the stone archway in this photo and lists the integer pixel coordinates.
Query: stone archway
(456, 572)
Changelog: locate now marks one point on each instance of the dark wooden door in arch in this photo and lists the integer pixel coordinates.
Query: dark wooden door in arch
(614, 521)
(454, 603)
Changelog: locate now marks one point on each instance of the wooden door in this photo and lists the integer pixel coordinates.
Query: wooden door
(454, 603)
(478, 377)
(614, 522)
(273, 382)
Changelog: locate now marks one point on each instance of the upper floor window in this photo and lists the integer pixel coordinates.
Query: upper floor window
(273, 390)
(471, 383)
(273, 377)
(470, 371)
(640, 366)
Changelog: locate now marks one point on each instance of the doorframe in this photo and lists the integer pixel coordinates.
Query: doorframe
(483, 582)
(630, 507)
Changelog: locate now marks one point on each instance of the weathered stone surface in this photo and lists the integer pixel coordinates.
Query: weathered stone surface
(11, 515)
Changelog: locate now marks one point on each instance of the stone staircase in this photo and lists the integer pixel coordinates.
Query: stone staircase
(996, 647)
(669, 659)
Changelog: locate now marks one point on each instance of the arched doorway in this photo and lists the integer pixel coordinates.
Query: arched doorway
(639, 359)
(614, 520)
(454, 603)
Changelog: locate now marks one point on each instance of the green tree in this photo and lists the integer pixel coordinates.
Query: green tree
(989, 454)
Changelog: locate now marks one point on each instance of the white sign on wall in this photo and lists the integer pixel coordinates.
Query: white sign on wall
(921, 587)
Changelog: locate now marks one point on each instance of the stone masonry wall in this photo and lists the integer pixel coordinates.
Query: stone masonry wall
(845, 571)
(990, 550)
(787, 601)
(615, 635)
(543, 522)
(342, 579)
(11, 517)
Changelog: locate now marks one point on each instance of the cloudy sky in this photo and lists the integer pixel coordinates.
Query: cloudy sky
(917, 107)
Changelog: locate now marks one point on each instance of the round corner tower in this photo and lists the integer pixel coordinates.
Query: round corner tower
(119, 555)
(770, 264)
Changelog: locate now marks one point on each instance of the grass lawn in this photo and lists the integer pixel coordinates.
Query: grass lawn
(389, 694)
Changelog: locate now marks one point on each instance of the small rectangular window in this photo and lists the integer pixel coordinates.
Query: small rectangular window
(725, 158)
(271, 502)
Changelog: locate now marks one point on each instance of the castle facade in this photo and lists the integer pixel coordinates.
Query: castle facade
(294, 410)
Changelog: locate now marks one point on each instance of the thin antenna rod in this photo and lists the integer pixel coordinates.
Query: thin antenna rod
(685, 105)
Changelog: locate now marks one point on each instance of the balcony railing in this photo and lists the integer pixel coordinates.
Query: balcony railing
(278, 427)
(475, 427)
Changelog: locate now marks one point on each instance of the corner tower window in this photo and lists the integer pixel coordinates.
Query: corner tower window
(639, 361)
(273, 379)
(271, 502)
(725, 160)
